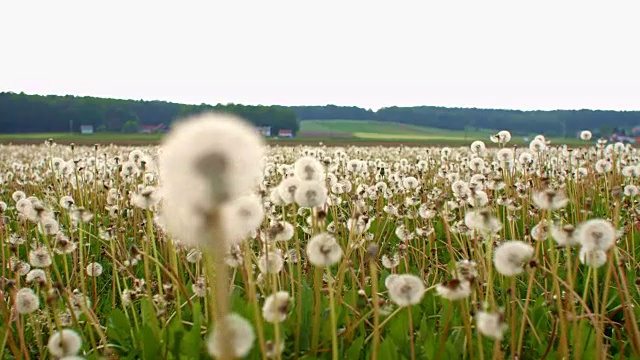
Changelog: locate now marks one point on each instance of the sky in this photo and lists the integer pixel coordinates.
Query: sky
(490, 54)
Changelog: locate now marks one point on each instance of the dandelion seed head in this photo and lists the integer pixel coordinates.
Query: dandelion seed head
(276, 307)
(287, 189)
(491, 324)
(310, 194)
(550, 199)
(564, 235)
(630, 190)
(64, 343)
(477, 147)
(308, 169)
(271, 262)
(511, 257)
(537, 146)
(454, 289)
(66, 202)
(594, 258)
(40, 257)
(94, 269)
(483, 221)
(241, 336)
(405, 289)
(323, 250)
(242, 216)
(48, 226)
(390, 262)
(281, 231)
(147, 198)
(596, 234)
(26, 301)
(37, 276)
(206, 160)
(18, 195)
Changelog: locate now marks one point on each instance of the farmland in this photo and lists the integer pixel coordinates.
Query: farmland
(329, 132)
(199, 249)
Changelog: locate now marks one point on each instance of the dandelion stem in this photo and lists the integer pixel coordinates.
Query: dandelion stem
(251, 290)
(411, 335)
(317, 308)
(525, 312)
(332, 307)
(373, 270)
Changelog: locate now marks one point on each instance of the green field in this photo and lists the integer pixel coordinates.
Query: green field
(65, 137)
(370, 130)
(373, 127)
(311, 132)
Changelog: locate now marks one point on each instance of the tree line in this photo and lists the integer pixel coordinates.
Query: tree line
(553, 123)
(22, 113)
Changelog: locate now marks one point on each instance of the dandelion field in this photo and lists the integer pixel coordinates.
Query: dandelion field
(215, 246)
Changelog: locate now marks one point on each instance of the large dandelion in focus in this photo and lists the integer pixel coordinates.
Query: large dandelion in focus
(207, 162)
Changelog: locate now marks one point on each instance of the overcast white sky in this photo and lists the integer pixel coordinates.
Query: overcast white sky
(500, 54)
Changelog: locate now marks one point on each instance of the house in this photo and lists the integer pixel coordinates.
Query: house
(285, 133)
(617, 137)
(152, 129)
(86, 129)
(265, 130)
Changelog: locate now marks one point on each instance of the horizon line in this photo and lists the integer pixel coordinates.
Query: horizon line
(318, 105)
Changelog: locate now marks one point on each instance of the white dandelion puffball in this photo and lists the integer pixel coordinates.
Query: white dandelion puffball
(454, 289)
(26, 301)
(596, 234)
(483, 221)
(308, 169)
(593, 257)
(276, 307)
(511, 257)
(310, 194)
(502, 137)
(550, 199)
(287, 189)
(585, 135)
(241, 337)
(564, 235)
(405, 289)
(94, 269)
(631, 190)
(36, 276)
(281, 231)
(242, 216)
(40, 257)
(491, 324)
(147, 198)
(323, 250)
(603, 166)
(206, 160)
(64, 343)
(537, 146)
(271, 262)
(478, 147)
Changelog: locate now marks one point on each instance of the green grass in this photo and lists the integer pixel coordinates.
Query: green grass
(372, 126)
(371, 130)
(67, 137)
(326, 131)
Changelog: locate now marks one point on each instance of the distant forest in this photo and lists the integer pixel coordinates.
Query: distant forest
(564, 123)
(22, 113)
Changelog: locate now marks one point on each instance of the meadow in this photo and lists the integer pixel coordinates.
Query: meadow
(214, 245)
(312, 132)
